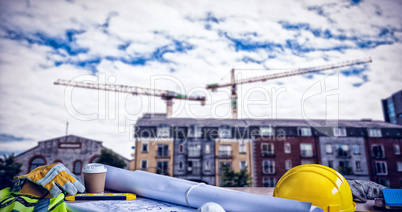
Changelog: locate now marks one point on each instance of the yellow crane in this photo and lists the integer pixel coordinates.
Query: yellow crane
(134, 90)
(298, 71)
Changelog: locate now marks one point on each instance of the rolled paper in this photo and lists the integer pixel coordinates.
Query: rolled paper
(192, 194)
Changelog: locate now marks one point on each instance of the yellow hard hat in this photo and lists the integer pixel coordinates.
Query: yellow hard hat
(318, 184)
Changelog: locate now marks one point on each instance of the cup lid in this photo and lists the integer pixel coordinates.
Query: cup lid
(94, 168)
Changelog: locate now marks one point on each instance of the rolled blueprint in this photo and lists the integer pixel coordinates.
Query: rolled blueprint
(192, 194)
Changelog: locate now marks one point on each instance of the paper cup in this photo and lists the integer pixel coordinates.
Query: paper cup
(94, 177)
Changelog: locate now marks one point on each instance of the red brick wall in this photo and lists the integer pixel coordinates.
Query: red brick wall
(391, 159)
(280, 156)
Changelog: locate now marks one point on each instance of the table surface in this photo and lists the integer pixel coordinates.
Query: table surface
(268, 191)
(368, 206)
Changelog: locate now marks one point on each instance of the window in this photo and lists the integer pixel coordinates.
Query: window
(163, 151)
(225, 151)
(207, 165)
(343, 150)
(287, 148)
(378, 151)
(374, 132)
(381, 168)
(195, 131)
(268, 182)
(328, 149)
(356, 149)
(344, 168)
(181, 165)
(384, 182)
(305, 131)
(194, 150)
(77, 167)
(306, 150)
(194, 167)
(242, 146)
(144, 147)
(268, 167)
(303, 162)
(162, 167)
(399, 166)
(266, 131)
(243, 164)
(339, 131)
(181, 148)
(144, 164)
(267, 150)
(223, 164)
(288, 164)
(224, 131)
(207, 148)
(163, 131)
(358, 166)
(36, 162)
(397, 150)
(331, 164)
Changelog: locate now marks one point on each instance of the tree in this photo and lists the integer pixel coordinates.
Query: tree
(231, 178)
(8, 170)
(112, 159)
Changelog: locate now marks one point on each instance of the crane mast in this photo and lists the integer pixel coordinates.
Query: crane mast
(134, 90)
(299, 71)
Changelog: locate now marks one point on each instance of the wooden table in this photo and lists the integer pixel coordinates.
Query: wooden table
(368, 206)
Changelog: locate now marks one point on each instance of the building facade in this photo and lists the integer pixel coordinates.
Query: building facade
(72, 151)
(200, 148)
(274, 155)
(392, 108)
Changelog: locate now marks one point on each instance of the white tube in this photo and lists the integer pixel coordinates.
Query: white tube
(175, 190)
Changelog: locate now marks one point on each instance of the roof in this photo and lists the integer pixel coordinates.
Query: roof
(149, 120)
(71, 135)
(52, 140)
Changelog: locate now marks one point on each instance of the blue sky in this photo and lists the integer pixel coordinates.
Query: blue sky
(182, 46)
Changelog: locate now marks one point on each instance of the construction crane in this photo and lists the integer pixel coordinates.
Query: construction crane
(134, 90)
(233, 84)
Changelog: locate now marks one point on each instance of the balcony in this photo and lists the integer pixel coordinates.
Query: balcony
(267, 154)
(194, 170)
(162, 156)
(225, 154)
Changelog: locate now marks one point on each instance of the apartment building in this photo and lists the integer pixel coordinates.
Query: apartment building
(275, 152)
(197, 149)
(384, 149)
(192, 149)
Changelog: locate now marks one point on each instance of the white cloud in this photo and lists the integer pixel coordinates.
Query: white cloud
(33, 108)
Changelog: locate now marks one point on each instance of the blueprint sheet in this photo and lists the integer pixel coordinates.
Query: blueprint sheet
(139, 204)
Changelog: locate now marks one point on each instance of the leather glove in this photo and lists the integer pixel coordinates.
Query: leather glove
(365, 189)
(55, 177)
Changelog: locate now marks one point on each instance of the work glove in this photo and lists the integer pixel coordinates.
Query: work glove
(55, 177)
(363, 190)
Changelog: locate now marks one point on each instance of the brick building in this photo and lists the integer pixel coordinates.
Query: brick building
(73, 151)
(359, 149)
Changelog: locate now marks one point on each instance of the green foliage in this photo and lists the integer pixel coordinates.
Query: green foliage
(109, 158)
(231, 178)
(8, 170)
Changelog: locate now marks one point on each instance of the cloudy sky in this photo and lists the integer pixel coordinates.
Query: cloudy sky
(182, 46)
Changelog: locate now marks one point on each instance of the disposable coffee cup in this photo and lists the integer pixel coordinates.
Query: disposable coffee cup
(94, 177)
